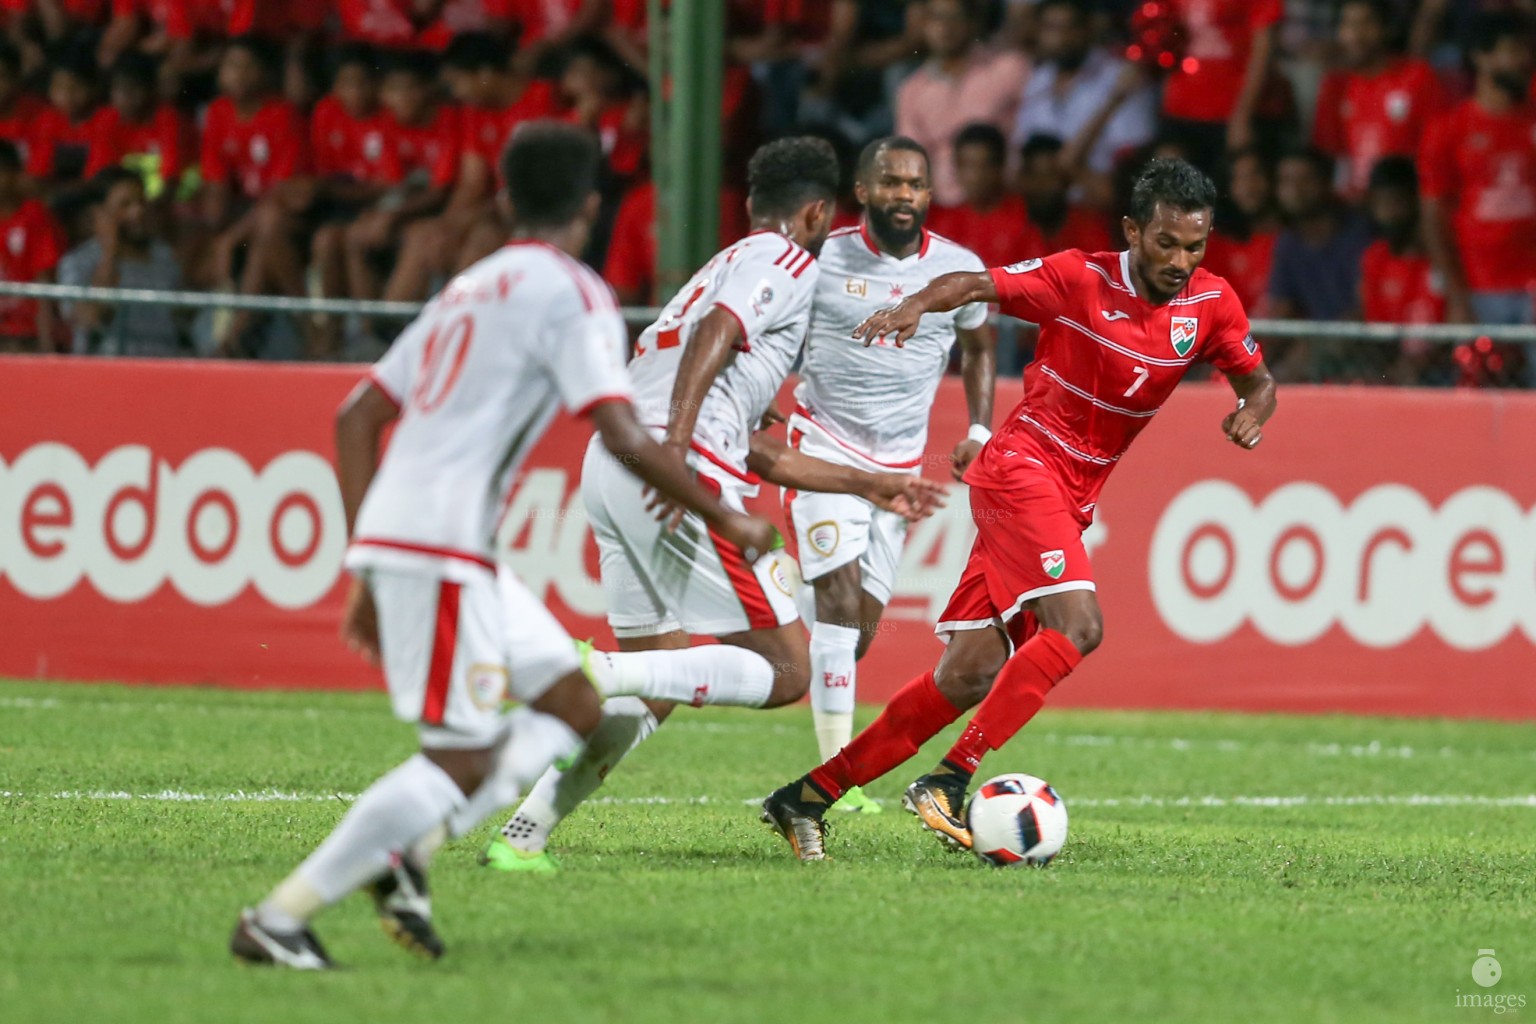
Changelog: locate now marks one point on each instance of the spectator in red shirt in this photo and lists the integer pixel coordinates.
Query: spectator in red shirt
(255, 180)
(20, 111)
(63, 141)
(630, 265)
(422, 139)
(1397, 283)
(598, 92)
(1055, 223)
(992, 219)
(1478, 179)
(1243, 251)
(495, 100)
(1379, 104)
(31, 243)
(1224, 92)
(544, 27)
(136, 131)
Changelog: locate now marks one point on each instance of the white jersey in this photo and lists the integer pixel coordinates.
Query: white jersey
(872, 404)
(766, 282)
(478, 377)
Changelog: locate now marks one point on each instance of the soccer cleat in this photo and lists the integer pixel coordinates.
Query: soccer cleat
(939, 803)
(503, 856)
(405, 909)
(855, 802)
(798, 821)
(254, 944)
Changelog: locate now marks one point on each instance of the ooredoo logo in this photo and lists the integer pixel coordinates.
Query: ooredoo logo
(211, 525)
(1384, 567)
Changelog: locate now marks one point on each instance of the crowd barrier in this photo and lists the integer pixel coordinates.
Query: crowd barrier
(179, 522)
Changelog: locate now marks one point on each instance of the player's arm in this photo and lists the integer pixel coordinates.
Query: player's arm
(978, 369)
(707, 352)
(668, 475)
(942, 294)
(360, 424)
(1256, 402)
(909, 496)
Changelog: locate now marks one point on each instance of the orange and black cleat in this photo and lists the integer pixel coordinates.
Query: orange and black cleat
(939, 803)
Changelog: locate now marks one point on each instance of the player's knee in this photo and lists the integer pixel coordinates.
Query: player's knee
(1085, 633)
(572, 700)
(791, 678)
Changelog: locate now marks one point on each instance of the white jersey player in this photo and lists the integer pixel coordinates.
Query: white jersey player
(867, 406)
(705, 372)
(471, 385)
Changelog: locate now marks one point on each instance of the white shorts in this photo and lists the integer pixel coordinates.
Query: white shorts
(656, 581)
(454, 651)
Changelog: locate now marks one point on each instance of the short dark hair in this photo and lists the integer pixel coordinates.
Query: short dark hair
(1395, 172)
(417, 63)
(550, 169)
(980, 133)
(1385, 11)
(1040, 144)
(476, 51)
(1486, 30)
(1171, 182)
(784, 175)
(1082, 8)
(10, 58)
(887, 144)
(260, 50)
(1321, 162)
(355, 53)
(109, 178)
(137, 67)
(75, 59)
(10, 157)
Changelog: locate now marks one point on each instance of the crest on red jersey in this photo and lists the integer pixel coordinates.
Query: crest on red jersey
(1181, 331)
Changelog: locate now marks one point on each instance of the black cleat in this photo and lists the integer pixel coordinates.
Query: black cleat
(405, 909)
(799, 819)
(256, 945)
(938, 800)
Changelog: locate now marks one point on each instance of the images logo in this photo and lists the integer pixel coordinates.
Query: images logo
(1487, 972)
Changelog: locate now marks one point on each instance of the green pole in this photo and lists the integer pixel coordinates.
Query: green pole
(710, 46)
(687, 57)
(669, 254)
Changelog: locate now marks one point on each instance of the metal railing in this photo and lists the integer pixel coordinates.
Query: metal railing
(1339, 330)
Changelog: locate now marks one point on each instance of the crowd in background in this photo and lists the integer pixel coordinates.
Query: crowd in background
(1377, 158)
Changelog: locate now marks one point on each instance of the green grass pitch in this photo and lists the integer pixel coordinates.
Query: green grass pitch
(1220, 867)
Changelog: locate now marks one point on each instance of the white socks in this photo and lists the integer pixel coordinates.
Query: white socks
(626, 724)
(392, 814)
(534, 742)
(834, 652)
(712, 674)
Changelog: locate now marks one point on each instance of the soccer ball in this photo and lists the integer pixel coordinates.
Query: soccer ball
(1016, 819)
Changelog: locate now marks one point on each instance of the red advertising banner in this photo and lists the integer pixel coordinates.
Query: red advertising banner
(179, 522)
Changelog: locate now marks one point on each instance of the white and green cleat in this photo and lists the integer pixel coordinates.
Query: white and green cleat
(855, 802)
(503, 856)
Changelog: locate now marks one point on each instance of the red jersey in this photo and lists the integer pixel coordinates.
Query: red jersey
(1482, 167)
(1105, 362)
(157, 147)
(1080, 229)
(486, 131)
(1204, 86)
(431, 149)
(79, 12)
(61, 147)
(536, 19)
(188, 19)
(1363, 118)
(994, 234)
(23, 127)
(389, 23)
(31, 243)
(1399, 289)
(254, 154)
(630, 265)
(1245, 265)
(343, 146)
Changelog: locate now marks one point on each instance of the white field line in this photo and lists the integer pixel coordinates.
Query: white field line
(275, 796)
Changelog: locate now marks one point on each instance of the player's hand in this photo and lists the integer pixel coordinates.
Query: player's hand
(964, 454)
(755, 535)
(771, 417)
(663, 509)
(910, 497)
(360, 623)
(898, 323)
(1242, 428)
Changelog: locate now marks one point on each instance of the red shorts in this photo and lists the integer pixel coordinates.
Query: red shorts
(1029, 543)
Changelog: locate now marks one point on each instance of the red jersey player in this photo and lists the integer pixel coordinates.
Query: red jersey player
(1118, 331)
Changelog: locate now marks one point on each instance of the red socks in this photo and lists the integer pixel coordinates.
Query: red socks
(914, 716)
(1044, 660)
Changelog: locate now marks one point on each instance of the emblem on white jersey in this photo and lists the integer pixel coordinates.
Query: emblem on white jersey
(1054, 563)
(895, 292)
(1115, 315)
(761, 296)
(1181, 331)
(487, 685)
(856, 286)
(823, 537)
(780, 577)
(1023, 268)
